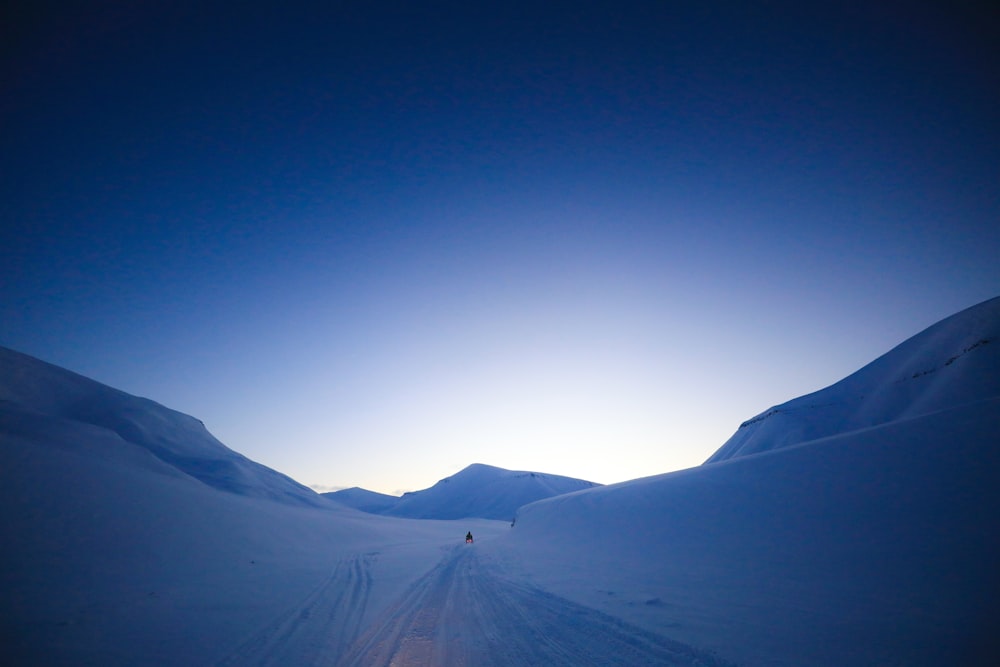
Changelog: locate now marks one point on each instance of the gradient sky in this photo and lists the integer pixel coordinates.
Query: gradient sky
(372, 243)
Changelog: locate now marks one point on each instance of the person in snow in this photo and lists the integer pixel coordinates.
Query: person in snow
(468, 537)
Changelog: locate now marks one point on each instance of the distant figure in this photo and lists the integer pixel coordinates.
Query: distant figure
(468, 537)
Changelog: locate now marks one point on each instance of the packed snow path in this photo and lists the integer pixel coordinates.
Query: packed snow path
(465, 611)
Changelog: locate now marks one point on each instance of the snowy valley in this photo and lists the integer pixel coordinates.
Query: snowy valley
(852, 526)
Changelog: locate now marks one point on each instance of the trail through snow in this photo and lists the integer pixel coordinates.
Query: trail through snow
(320, 627)
(465, 611)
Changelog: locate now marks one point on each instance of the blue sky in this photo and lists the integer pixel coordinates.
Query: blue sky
(369, 244)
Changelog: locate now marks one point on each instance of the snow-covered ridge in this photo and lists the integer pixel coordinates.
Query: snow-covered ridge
(861, 532)
(868, 546)
(363, 499)
(479, 490)
(35, 395)
(949, 364)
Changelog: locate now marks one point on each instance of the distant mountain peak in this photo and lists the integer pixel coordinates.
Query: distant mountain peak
(478, 490)
(363, 499)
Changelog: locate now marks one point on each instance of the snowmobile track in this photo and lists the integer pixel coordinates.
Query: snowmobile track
(465, 613)
(316, 630)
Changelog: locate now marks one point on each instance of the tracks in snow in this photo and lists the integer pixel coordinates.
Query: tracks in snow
(319, 629)
(465, 613)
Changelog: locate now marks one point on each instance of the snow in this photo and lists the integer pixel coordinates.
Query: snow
(478, 490)
(108, 561)
(952, 362)
(33, 387)
(854, 526)
(363, 499)
(877, 547)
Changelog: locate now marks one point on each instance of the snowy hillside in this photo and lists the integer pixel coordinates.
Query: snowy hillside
(113, 557)
(45, 401)
(949, 364)
(363, 499)
(875, 545)
(131, 536)
(485, 492)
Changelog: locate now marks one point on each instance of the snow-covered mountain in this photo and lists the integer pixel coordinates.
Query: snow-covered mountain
(131, 536)
(484, 492)
(39, 400)
(862, 532)
(363, 499)
(951, 363)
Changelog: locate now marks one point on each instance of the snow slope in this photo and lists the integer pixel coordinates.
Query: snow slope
(114, 556)
(874, 545)
(951, 363)
(363, 499)
(478, 490)
(37, 396)
(871, 545)
(483, 491)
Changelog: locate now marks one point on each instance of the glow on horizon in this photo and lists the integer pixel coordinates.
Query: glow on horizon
(606, 374)
(578, 342)
(370, 248)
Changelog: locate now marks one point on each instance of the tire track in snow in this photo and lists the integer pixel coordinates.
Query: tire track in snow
(317, 630)
(464, 613)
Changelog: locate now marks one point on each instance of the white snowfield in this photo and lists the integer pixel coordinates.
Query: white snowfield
(868, 537)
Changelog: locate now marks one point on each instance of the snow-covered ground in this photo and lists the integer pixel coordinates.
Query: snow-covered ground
(855, 535)
(875, 548)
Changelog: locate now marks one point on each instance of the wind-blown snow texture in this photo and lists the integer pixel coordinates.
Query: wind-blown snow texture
(867, 537)
(479, 491)
(956, 361)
